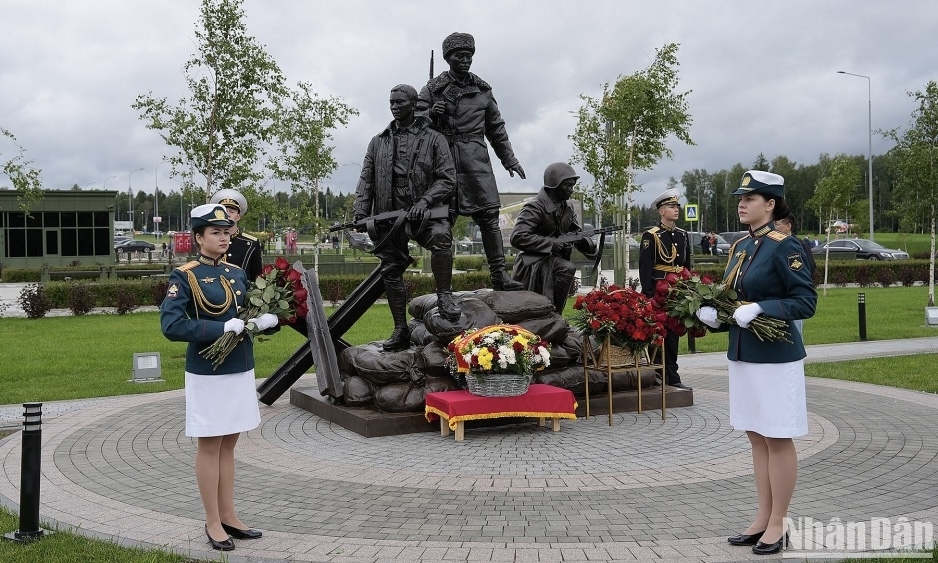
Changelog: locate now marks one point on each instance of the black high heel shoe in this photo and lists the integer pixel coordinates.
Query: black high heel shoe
(248, 534)
(745, 539)
(223, 545)
(771, 548)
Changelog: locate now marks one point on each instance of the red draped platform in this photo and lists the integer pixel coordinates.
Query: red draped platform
(541, 401)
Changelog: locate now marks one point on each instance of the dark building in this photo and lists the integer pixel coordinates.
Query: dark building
(62, 228)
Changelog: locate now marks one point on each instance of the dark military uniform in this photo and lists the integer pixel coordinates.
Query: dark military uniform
(245, 251)
(201, 296)
(664, 250)
(770, 268)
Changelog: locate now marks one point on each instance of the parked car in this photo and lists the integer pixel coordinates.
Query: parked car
(865, 249)
(134, 246)
(120, 239)
(360, 241)
(723, 247)
(733, 236)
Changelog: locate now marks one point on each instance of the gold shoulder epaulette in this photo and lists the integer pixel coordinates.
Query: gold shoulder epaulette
(188, 266)
(232, 264)
(680, 230)
(777, 235)
(249, 237)
(653, 230)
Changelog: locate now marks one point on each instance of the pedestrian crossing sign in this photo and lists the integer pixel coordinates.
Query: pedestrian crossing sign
(690, 212)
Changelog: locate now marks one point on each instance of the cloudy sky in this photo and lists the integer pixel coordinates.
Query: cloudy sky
(762, 74)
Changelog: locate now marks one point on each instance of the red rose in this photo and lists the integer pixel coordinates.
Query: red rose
(281, 264)
(302, 310)
(300, 295)
(267, 269)
(707, 279)
(518, 347)
(685, 274)
(671, 278)
(594, 324)
(579, 302)
(292, 275)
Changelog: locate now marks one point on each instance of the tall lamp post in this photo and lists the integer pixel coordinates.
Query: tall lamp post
(156, 196)
(130, 193)
(869, 176)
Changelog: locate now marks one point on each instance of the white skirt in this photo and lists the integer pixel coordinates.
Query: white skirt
(769, 398)
(218, 405)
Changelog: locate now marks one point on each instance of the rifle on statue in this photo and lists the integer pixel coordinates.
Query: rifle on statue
(399, 218)
(602, 232)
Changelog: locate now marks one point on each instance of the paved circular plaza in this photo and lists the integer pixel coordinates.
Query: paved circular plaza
(641, 490)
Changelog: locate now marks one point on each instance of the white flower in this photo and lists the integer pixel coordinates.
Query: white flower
(544, 354)
(468, 358)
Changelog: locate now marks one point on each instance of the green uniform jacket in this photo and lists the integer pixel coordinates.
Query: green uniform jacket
(193, 312)
(770, 268)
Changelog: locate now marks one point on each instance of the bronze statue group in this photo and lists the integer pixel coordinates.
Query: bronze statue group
(430, 165)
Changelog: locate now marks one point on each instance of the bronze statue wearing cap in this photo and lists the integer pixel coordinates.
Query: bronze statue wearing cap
(462, 107)
(245, 250)
(665, 249)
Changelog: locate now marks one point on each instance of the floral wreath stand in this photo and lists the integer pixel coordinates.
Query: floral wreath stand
(613, 359)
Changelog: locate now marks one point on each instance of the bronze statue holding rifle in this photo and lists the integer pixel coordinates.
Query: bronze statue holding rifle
(462, 107)
(546, 232)
(408, 167)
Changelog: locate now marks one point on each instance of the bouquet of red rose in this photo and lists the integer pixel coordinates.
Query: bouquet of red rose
(625, 315)
(278, 290)
(680, 296)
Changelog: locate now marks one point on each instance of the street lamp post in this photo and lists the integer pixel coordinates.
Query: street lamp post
(869, 176)
(130, 192)
(156, 196)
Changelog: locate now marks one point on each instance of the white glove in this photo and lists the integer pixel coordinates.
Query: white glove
(234, 325)
(265, 321)
(708, 316)
(745, 313)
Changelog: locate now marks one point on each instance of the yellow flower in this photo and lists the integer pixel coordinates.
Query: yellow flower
(485, 358)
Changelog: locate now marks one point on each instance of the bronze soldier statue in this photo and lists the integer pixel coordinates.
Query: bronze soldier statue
(544, 263)
(409, 167)
(462, 107)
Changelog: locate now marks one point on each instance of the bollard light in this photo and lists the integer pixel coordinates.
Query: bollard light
(30, 474)
(861, 312)
(32, 417)
(931, 316)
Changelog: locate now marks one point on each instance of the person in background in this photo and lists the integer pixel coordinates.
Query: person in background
(766, 379)
(713, 243)
(544, 265)
(665, 249)
(705, 243)
(201, 304)
(245, 251)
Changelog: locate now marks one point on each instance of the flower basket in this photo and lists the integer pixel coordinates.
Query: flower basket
(498, 360)
(498, 384)
(619, 356)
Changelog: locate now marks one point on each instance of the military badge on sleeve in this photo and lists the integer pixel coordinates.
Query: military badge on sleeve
(172, 291)
(794, 262)
(645, 243)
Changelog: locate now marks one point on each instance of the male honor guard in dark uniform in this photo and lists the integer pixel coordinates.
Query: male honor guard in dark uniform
(245, 250)
(665, 249)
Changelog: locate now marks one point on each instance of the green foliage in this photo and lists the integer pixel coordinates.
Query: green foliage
(80, 299)
(21, 275)
(234, 89)
(34, 301)
(22, 175)
(303, 130)
(627, 127)
(834, 191)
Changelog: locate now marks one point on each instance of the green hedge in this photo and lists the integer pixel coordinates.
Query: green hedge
(864, 273)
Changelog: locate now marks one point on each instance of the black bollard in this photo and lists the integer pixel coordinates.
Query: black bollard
(30, 472)
(861, 311)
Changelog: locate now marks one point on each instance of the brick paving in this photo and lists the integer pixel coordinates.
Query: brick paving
(642, 490)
